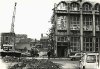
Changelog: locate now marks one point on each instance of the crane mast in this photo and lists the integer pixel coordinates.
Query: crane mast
(8, 40)
(13, 19)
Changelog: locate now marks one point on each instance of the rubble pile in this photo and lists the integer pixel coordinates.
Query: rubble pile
(33, 64)
(10, 59)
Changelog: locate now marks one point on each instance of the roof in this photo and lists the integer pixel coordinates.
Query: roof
(90, 1)
(44, 37)
(83, 1)
(21, 36)
(33, 40)
(26, 40)
(7, 34)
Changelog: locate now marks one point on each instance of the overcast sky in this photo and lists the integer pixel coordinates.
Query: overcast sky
(32, 16)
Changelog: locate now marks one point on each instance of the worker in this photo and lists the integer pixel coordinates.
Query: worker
(49, 53)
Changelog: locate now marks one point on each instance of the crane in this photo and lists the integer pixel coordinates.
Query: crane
(13, 19)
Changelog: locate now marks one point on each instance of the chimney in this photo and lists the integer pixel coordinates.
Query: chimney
(35, 40)
(41, 35)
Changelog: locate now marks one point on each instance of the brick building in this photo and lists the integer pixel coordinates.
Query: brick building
(8, 41)
(19, 37)
(76, 27)
(22, 43)
(44, 41)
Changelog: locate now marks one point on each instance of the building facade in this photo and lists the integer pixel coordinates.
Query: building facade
(76, 27)
(8, 41)
(44, 41)
(19, 37)
(24, 45)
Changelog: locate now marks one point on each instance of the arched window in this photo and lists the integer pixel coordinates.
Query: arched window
(62, 6)
(74, 6)
(87, 7)
(97, 7)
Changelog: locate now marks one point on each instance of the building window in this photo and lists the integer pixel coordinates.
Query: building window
(61, 22)
(60, 32)
(97, 23)
(62, 38)
(74, 7)
(75, 43)
(62, 6)
(87, 45)
(88, 33)
(97, 44)
(74, 32)
(75, 20)
(5, 48)
(6, 40)
(87, 7)
(10, 48)
(87, 22)
(97, 7)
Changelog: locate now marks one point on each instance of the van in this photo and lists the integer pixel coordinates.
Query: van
(89, 61)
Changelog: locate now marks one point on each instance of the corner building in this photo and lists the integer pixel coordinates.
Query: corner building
(76, 27)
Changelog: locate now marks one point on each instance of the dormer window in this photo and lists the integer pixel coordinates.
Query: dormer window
(74, 7)
(62, 6)
(97, 7)
(87, 7)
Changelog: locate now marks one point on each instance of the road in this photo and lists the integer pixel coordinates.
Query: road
(67, 64)
(64, 63)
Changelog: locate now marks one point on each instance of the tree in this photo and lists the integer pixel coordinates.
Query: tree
(25, 49)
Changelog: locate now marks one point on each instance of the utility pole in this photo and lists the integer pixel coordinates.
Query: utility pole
(13, 19)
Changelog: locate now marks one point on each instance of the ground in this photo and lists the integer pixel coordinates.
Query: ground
(65, 63)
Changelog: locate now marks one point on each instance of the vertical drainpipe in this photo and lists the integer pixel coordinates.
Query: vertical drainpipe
(81, 29)
(55, 22)
(56, 33)
(99, 41)
(68, 27)
(94, 31)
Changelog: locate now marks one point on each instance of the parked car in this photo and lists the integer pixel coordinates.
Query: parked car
(89, 61)
(42, 54)
(26, 54)
(77, 56)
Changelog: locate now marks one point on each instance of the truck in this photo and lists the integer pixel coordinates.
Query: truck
(8, 45)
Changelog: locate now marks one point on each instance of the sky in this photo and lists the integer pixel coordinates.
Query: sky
(32, 16)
